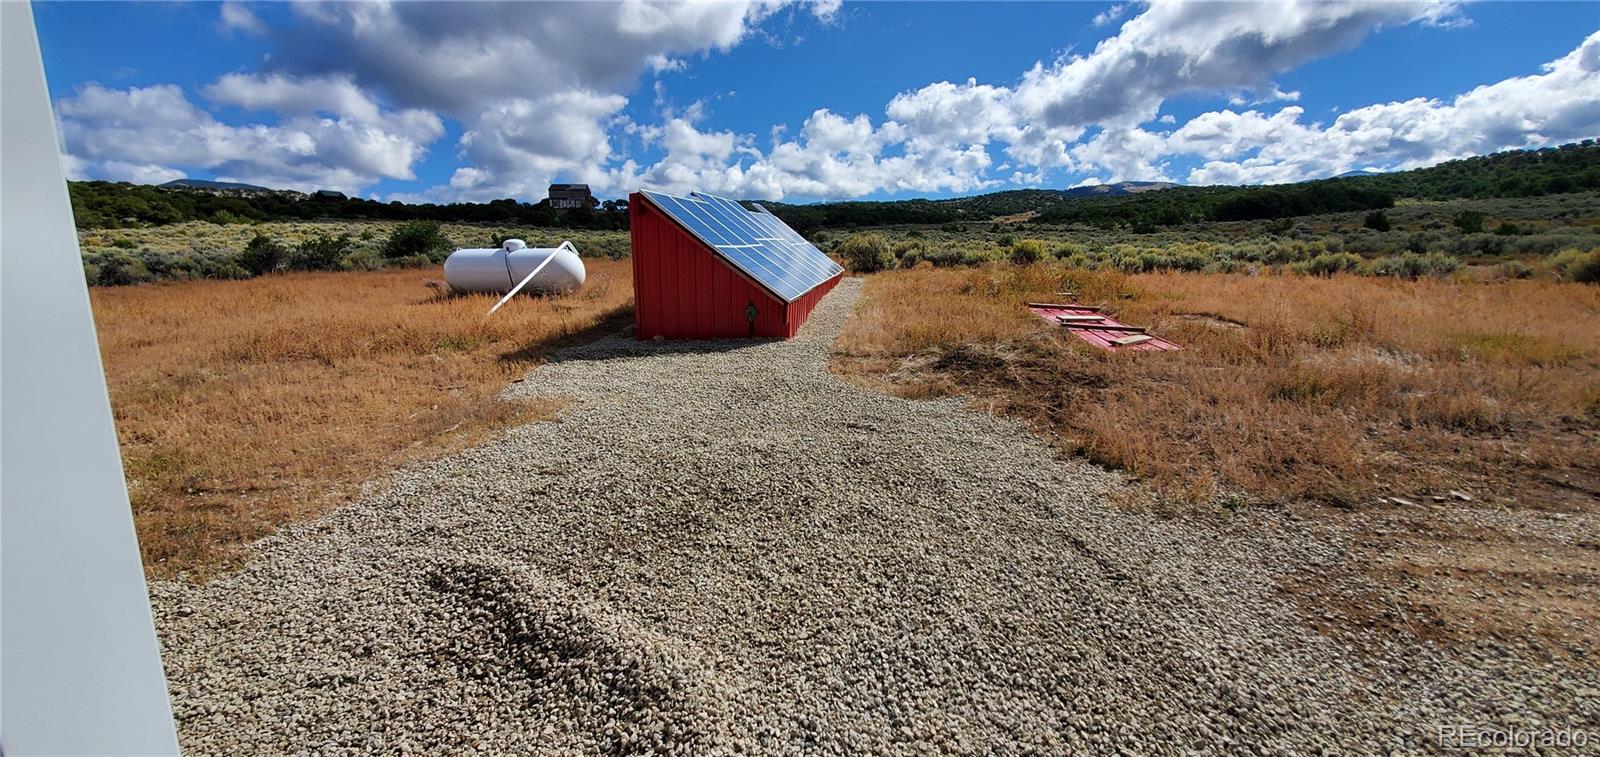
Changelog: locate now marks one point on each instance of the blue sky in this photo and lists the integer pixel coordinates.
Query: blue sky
(805, 101)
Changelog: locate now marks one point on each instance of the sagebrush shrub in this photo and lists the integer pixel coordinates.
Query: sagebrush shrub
(1412, 265)
(263, 255)
(865, 253)
(1574, 265)
(320, 253)
(1329, 264)
(1469, 221)
(365, 259)
(418, 238)
(1025, 251)
(120, 269)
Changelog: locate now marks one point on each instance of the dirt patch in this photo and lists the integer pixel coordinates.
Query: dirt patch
(1460, 573)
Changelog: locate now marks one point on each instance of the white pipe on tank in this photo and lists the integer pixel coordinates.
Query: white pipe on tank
(522, 283)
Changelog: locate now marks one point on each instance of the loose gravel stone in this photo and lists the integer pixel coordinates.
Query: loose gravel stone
(721, 547)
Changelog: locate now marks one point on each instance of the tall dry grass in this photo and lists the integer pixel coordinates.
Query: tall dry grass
(244, 405)
(1338, 390)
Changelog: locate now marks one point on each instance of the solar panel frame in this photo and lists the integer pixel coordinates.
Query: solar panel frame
(769, 228)
(756, 243)
(701, 220)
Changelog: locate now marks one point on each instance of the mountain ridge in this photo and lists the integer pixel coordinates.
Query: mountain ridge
(209, 184)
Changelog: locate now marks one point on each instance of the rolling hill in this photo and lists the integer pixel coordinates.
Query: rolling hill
(1517, 173)
(1118, 189)
(206, 184)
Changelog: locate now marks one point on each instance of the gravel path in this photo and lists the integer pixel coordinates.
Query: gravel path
(722, 547)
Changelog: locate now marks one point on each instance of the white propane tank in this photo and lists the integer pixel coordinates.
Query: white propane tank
(499, 269)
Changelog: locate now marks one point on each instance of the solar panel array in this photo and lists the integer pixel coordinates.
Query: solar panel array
(755, 242)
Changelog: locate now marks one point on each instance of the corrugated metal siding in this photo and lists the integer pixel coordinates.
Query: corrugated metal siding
(681, 290)
(800, 309)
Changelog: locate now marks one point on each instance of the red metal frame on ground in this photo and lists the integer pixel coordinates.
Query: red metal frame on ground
(1101, 334)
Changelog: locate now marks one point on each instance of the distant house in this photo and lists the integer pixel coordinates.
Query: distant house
(327, 194)
(569, 196)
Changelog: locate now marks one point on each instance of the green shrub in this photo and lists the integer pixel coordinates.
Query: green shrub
(1069, 249)
(414, 261)
(945, 257)
(1507, 229)
(117, 269)
(1587, 270)
(1479, 245)
(320, 253)
(1516, 269)
(263, 255)
(610, 249)
(1377, 221)
(1469, 221)
(166, 265)
(865, 253)
(418, 238)
(1412, 265)
(1078, 260)
(1025, 251)
(498, 239)
(1425, 241)
(1140, 260)
(195, 264)
(1328, 264)
(123, 244)
(1188, 260)
(1573, 265)
(227, 268)
(364, 259)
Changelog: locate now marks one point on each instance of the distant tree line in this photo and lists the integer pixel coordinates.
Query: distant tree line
(106, 205)
(1181, 205)
(834, 215)
(1516, 173)
(1519, 173)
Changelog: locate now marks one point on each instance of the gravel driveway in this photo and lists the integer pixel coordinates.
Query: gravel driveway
(722, 547)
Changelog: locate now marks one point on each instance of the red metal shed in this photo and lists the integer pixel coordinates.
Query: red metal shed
(706, 268)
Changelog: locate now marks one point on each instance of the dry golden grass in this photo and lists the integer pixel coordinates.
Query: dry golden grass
(1323, 394)
(244, 405)
(1337, 390)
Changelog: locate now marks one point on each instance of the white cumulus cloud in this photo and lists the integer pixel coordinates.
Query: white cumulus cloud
(355, 93)
(147, 133)
(1560, 104)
